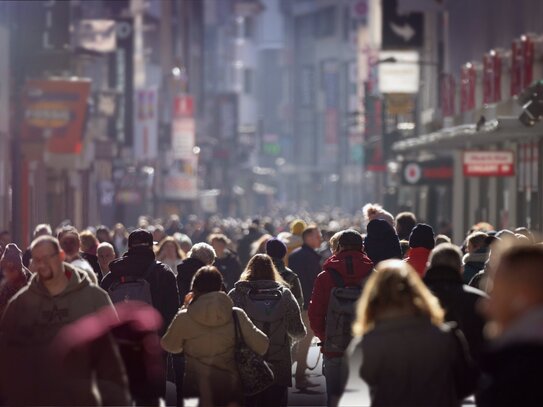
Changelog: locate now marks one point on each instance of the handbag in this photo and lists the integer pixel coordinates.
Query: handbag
(254, 372)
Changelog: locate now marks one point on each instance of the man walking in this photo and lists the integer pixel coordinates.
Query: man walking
(58, 295)
(139, 263)
(305, 262)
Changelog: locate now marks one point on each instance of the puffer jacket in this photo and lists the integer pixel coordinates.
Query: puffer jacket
(204, 331)
(31, 322)
(279, 355)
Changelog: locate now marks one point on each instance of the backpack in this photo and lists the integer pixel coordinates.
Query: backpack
(340, 314)
(264, 307)
(132, 288)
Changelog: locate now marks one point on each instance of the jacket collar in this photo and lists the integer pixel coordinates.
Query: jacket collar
(442, 273)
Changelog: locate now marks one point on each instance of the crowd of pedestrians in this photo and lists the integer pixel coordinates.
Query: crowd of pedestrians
(111, 316)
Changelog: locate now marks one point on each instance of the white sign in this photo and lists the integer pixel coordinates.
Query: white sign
(399, 72)
(183, 138)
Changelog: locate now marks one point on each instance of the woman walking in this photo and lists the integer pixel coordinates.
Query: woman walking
(264, 296)
(204, 330)
(402, 349)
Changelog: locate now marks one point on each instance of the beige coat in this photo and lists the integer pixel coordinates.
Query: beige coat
(205, 333)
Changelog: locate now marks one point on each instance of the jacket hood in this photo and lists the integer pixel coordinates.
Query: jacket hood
(246, 286)
(78, 280)
(211, 309)
(362, 266)
(442, 273)
(134, 262)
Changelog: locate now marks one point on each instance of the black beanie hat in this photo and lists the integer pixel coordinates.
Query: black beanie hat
(422, 235)
(276, 249)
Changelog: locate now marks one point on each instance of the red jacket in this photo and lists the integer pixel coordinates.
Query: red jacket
(417, 258)
(318, 306)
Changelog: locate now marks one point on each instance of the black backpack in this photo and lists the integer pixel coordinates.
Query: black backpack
(341, 313)
(132, 288)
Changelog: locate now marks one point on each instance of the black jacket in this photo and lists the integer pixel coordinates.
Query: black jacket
(306, 263)
(185, 271)
(135, 262)
(291, 279)
(459, 302)
(513, 376)
(230, 268)
(93, 261)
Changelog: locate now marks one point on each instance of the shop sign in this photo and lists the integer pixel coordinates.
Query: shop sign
(427, 172)
(499, 163)
(401, 76)
(55, 110)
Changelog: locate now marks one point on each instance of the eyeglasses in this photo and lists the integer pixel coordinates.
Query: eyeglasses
(43, 259)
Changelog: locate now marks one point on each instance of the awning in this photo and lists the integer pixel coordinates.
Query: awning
(492, 132)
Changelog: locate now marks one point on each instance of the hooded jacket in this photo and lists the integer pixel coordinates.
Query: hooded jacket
(381, 242)
(32, 320)
(362, 267)
(162, 282)
(279, 354)
(204, 331)
(459, 302)
(417, 257)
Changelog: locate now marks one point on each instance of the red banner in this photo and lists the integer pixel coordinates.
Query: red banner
(467, 88)
(528, 61)
(516, 68)
(492, 67)
(448, 95)
(55, 110)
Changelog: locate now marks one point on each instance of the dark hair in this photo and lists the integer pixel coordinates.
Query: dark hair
(261, 267)
(206, 280)
(65, 230)
(405, 222)
(308, 231)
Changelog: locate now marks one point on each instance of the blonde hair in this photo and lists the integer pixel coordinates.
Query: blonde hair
(261, 267)
(334, 241)
(394, 286)
(180, 254)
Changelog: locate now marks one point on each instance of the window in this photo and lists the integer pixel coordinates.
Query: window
(325, 22)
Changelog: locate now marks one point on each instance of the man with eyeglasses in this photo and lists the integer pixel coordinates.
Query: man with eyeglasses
(30, 373)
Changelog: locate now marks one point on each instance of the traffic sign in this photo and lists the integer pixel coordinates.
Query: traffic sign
(401, 31)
